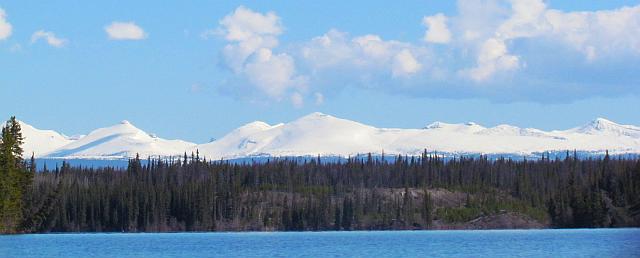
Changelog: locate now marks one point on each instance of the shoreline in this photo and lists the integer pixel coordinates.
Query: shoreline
(323, 231)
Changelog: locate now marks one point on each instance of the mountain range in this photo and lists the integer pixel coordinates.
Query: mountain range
(320, 134)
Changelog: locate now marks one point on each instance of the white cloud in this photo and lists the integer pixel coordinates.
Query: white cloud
(5, 26)
(244, 24)
(494, 43)
(366, 54)
(597, 33)
(592, 33)
(252, 36)
(49, 37)
(526, 20)
(404, 63)
(124, 31)
(493, 57)
(477, 19)
(372, 46)
(247, 31)
(437, 29)
(271, 73)
(237, 54)
(328, 50)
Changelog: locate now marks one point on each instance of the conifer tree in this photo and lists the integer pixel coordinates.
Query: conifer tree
(427, 208)
(14, 179)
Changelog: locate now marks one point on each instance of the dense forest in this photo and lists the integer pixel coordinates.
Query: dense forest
(364, 193)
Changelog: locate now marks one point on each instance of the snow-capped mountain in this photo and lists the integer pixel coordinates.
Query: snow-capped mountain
(601, 126)
(123, 140)
(469, 127)
(314, 134)
(320, 134)
(40, 142)
(509, 130)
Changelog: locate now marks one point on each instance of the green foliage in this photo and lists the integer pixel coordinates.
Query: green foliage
(427, 208)
(15, 178)
(190, 194)
(193, 195)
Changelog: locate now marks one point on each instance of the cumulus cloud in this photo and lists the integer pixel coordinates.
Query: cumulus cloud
(270, 73)
(252, 37)
(601, 32)
(493, 56)
(506, 50)
(124, 31)
(5, 26)
(362, 55)
(606, 32)
(437, 29)
(404, 63)
(248, 31)
(48, 37)
(244, 24)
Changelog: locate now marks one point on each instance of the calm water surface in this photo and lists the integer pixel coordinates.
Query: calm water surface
(489, 243)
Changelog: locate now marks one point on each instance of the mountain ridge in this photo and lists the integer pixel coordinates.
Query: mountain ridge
(326, 135)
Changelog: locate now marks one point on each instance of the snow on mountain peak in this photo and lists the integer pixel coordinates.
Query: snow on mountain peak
(316, 116)
(257, 125)
(312, 134)
(603, 124)
(122, 128)
(40, 142)
(248, 129)
(469, 127)
(607, 127)
(510, 130)
(501, 129)
(318, 121)
(321, 134)
(435, 125)
(122, 140)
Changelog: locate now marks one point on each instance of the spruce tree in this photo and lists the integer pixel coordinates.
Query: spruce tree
(427, 208)
(14, 179)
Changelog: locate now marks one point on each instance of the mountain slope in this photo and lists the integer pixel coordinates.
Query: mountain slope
(601, 126)
(320, 134)
(123, 140)
(314, 134)
(40, 142)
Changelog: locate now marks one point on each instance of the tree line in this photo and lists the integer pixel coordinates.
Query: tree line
(364, 193)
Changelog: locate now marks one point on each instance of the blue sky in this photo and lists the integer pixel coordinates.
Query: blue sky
(197, 71)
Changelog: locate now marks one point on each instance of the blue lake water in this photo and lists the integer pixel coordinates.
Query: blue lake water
(489, 243)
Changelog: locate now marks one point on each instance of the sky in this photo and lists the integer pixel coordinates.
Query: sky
(196, 71)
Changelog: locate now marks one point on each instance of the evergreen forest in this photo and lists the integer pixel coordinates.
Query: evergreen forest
(365, 193)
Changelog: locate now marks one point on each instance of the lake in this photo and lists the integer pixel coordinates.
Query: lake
(463, 243)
